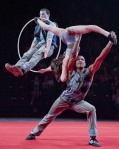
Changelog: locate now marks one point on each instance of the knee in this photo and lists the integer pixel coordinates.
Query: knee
(93, 109)
(92, 112)
(69, 30)
(25, 56)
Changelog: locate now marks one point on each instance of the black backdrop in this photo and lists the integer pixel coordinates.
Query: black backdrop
(13, 16)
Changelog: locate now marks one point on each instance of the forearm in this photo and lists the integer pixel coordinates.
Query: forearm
(96, 65)
(48, 44)
(48, 69)
(45, 70)
(76, 46)
(105, 51)
(72, 60)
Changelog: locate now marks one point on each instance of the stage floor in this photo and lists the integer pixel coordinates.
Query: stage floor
(61, 133)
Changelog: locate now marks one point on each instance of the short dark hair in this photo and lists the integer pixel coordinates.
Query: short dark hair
(46, 10)
(79, 56)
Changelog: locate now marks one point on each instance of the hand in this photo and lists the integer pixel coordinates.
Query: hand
(46, 50)
(36, 19)
(42, 71)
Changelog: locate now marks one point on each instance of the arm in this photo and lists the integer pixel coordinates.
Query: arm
(49, 40)
(74, 54)
(56, 63)
(96, 65)
(36, 35)
(76, 47)
(45, 70)
(46, 50)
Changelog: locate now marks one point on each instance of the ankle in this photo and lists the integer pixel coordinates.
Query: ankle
(93, 137)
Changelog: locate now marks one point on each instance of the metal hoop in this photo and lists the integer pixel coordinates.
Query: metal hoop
(19, 42)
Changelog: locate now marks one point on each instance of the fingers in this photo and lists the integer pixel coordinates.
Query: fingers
(41, 71)
(45, 53)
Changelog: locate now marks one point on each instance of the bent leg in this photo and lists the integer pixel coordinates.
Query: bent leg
(36, 57)
(16, 69)
(85, 107)
(26, 56)
(57, 108)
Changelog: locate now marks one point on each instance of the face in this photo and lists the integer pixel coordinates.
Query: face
(44, 16)
(80, 62)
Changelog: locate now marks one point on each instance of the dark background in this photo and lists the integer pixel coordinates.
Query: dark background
(15, 93)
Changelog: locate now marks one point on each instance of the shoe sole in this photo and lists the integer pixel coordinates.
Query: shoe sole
(11, 70)
(17, 70)
(30, 139)
(94, 145)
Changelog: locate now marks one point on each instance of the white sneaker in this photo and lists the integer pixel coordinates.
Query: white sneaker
(94, 142)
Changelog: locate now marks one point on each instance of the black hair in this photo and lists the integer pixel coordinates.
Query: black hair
(79, 56)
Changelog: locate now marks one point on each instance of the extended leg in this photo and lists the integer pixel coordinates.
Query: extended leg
(57, 31)
(57, 108)
(13, 68)
(84, 29)
(85, 107)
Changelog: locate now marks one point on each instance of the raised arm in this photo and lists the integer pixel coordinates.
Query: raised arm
(96, 65)
(75, 51)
